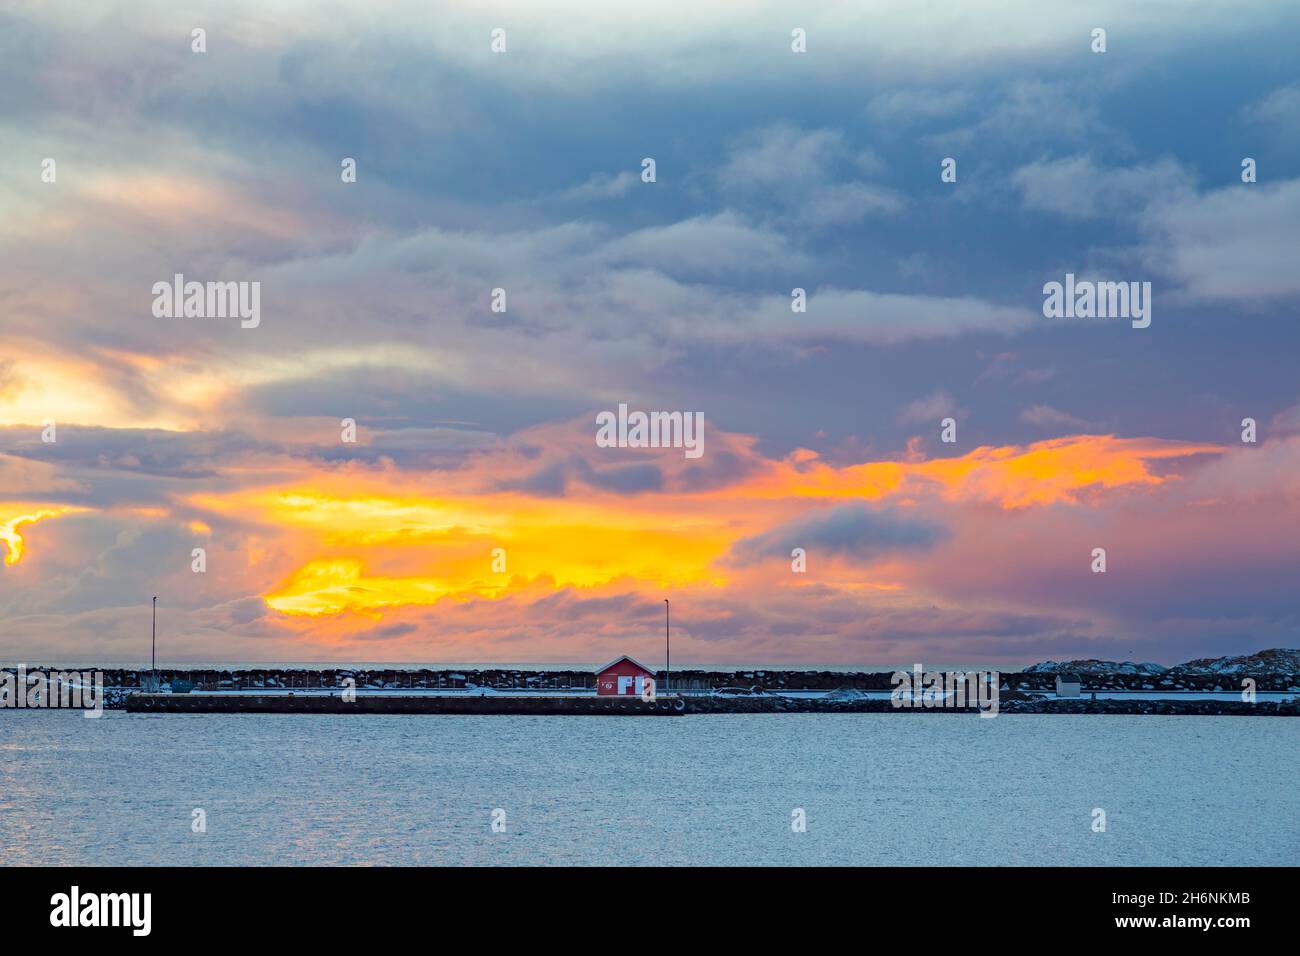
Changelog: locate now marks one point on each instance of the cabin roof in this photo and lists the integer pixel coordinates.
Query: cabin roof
(624, 657)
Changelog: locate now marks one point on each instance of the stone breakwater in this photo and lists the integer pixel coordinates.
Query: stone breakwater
(688, 680)
(1015, 695)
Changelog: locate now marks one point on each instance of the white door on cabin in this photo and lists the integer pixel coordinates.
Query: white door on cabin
(624, 685)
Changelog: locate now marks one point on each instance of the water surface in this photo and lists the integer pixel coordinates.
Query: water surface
(888, 789)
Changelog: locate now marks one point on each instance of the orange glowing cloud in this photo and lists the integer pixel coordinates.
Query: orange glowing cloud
(485, 547)
(13, 539)
(368, 542)
(338, 585)
(1060, 470)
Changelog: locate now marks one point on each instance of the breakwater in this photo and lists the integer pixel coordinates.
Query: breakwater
(669, 706)
(506, 680)
(572, 692)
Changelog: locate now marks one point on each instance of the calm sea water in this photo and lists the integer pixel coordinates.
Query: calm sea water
(877, 789)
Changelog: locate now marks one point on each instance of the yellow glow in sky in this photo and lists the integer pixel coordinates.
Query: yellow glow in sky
(13, 540)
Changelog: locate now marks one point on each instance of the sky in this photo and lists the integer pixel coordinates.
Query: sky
(476, 516)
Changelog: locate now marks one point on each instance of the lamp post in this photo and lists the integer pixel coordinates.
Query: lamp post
(153, 643)
(668, 651)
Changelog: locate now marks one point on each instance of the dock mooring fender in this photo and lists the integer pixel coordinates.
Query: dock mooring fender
(680, 705)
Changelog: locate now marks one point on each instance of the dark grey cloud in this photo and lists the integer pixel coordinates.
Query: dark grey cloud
(852, 531)
(549, 480)
(146, 452)
(553, 478)
(627, 479)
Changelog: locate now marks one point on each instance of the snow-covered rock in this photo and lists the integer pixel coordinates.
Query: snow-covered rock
(845, 693)
(1093, 666)
(1278, 660)
(1275, 662)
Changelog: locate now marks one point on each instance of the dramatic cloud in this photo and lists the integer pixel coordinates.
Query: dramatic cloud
(500, 273)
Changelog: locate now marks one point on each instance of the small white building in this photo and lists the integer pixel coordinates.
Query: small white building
(1068, 685)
